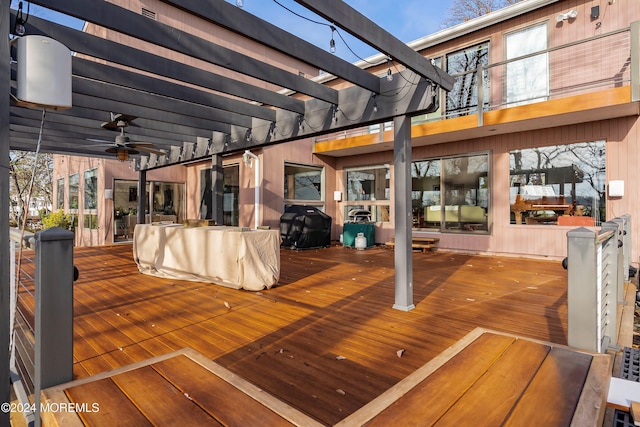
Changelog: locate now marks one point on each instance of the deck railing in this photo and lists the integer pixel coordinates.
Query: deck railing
(585, 66)
(596, 275)
(42, 339)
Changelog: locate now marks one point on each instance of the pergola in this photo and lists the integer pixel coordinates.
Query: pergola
(192, 114)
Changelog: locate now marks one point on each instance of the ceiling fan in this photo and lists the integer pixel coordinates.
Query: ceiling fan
(123, 147)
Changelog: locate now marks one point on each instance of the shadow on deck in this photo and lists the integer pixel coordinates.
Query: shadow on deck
(326, 339)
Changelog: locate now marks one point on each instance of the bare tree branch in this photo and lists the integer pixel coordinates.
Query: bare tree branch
(463, 10)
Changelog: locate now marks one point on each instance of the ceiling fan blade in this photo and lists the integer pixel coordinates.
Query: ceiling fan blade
(118, 121)
(106, 141)
(147, 149)
(140, 144)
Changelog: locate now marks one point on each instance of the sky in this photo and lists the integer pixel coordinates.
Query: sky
(407, 20)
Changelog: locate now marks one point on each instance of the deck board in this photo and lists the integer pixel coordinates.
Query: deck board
(329, 302)
(556, 388)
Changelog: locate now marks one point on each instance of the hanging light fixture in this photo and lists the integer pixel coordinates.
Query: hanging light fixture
(389, 74)
(18, 26)
(122, 153)
(332, 42)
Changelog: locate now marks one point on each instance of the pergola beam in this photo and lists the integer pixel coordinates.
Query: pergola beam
(239, 21)
(111, 51)
(372, 34)
(127, 22)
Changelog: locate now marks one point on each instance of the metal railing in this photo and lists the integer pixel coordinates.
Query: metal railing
(584, 66)
(596, 275)
(41, 314)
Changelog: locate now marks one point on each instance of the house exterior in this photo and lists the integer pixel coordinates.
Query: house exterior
(538, 136)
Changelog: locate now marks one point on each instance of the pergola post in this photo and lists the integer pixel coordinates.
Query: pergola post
(5, 291)
(142, 199)
(403, 217)
(54, 311)
(217, 189)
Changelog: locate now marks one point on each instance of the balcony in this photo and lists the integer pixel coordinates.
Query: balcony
(588, 80)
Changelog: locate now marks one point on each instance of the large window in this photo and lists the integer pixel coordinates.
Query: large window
(368, 190)
(230, 205)
(558, 184)
(451, 194)
(60, 193)
(303, 185)
(463, 98)
(73, 191)
(528, 78)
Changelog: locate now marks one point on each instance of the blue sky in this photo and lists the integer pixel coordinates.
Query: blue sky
(407, 20)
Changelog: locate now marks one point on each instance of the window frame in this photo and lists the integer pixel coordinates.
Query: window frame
(60, 190)
(74, 188)
(420, 215)
(288, 201)
(378, 207)
(529, 57)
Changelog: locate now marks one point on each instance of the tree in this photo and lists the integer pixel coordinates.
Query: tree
(464, 10)
(21, 169)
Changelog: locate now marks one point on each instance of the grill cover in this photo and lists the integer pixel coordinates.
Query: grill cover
(303, 227)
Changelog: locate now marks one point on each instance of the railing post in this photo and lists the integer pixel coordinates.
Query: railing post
(634, 37)
(591, 294)
(480, 82)
(54, 311)
(625, 226)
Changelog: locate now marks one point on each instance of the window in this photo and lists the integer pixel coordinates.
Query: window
(451, 194)
(303, 185)
(230, 205)
(91, 189)
(441, 94)
(90, 199)
(368, 189)
(549, 184)
(168, 201)
(60, 193)
(528, 78)
(73, 191)
(91, 221)
(463, 98)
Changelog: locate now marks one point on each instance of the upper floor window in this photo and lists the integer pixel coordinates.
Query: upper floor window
(464, 65)
(550, 184)
(73, 191)
(527, 78)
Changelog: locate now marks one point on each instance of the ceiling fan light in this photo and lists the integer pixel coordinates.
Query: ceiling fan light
(122, 153)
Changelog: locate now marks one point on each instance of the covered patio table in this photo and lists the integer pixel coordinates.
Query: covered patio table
(234, 257)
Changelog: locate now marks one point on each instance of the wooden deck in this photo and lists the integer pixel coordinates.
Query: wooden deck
(326, 341)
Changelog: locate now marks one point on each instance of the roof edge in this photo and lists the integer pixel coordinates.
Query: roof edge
(459, 30)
